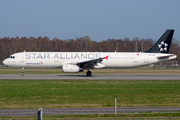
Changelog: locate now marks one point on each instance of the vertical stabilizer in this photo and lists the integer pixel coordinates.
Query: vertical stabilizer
(163, 44)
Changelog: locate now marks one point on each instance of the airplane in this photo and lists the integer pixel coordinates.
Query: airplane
(74, 62)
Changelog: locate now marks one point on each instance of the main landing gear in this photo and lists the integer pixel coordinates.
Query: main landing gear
(88, 73)
(22, 73)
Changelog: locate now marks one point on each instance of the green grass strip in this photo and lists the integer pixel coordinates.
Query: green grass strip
(17, 94)
(162, 115)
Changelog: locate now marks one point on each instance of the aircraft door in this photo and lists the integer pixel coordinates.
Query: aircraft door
(21, 58)
(56, 62)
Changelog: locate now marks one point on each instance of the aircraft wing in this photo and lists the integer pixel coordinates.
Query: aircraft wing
(94, 63)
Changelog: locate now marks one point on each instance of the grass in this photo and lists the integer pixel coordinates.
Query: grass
(149, 115)
(8, 70)
(17, 94)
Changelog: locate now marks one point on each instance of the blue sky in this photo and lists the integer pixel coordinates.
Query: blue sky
(98, 19)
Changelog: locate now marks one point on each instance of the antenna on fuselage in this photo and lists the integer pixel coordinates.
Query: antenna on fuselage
(24, 50)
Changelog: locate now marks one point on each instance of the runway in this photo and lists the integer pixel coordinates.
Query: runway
(81, 111)
(93, 77)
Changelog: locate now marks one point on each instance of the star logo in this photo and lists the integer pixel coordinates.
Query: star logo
(163, 46)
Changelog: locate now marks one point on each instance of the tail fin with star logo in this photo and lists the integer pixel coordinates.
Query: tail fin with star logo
(163, 44)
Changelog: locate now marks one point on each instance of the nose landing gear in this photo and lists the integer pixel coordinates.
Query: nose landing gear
(22, 73)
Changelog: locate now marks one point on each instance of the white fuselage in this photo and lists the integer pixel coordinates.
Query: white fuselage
(57, 59)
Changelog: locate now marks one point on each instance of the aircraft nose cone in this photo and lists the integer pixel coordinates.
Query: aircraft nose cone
(5, 62)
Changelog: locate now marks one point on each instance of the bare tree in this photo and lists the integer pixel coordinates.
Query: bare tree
(136, 44)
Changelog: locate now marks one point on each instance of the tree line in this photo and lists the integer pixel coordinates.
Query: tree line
(9, 46)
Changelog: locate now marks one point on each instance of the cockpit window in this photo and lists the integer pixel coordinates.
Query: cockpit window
(12, 57)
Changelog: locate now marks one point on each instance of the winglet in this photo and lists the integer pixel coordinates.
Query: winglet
(106, 57)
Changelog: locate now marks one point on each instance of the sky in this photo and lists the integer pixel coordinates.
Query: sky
(98, 19)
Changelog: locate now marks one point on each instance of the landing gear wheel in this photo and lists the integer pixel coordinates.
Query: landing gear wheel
(88, 73)
(22, 73)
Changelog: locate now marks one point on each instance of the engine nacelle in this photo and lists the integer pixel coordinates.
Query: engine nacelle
(70, 68)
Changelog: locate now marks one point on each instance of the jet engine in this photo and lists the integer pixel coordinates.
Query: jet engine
(70, 68)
